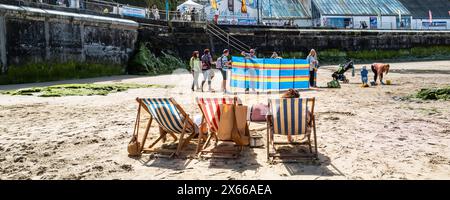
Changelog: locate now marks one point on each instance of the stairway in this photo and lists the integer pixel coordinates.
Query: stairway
(225, 37)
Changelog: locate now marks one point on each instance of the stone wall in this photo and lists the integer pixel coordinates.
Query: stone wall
(186, 37)
(38, 35)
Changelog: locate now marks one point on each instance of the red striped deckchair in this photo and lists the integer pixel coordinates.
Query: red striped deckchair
(169, 115)
(210, 108)
(288, 117)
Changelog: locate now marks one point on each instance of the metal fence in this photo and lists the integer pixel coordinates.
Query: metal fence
(101, 7)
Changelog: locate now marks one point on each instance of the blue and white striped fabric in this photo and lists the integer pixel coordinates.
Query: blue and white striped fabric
(165, 114)
(289, 116)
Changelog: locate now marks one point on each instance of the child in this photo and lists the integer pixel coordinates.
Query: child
(364, 76)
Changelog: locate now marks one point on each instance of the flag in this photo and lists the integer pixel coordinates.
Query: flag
(431, 16)
(244, 6)
(214, 4)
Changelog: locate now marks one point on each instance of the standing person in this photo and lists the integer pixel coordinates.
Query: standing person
(155, 12)
(193, 13)
(275, 56)
(206, 68)
(251, 72)
(216, 16)
(313, 64)
(195, 69)
(223, 65)
(251, 54)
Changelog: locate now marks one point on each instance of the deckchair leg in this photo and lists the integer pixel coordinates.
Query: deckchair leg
(208, 140)
(157, 140)
(147, 129)
(180, 142)
(199, 144)
(309, 144)
(268, 140)
(315, 137)
(174, 136)
(216, 139)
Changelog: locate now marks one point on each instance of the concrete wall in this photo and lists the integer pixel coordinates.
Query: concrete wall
(37, 35)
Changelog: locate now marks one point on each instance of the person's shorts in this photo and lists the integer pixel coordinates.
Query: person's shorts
(224, 74)
(206, 75)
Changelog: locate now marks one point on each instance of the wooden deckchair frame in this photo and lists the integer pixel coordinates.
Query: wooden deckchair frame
(187, 121)
(214, 153)
(295, 156)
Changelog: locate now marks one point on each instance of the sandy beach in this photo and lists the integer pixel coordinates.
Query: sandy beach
(363, 133)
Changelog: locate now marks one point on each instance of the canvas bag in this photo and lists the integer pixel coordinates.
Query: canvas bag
(226, 122)
(258, 112)
(242, 133)
(233, 124)
(134, 146)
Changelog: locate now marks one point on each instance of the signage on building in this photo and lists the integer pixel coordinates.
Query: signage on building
(237, 21)
(133, 12)
(435, 24)
(373, 22)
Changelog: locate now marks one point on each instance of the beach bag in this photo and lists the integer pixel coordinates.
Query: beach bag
(258, 112)
(226, 122)
(334, 84)
(233, 124)
(134, 146)
(206, 64)
(241, 132)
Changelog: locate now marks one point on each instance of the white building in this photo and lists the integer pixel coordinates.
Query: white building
(420, 10)
(367, 14)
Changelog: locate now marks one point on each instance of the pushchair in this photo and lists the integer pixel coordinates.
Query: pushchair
(339, 75)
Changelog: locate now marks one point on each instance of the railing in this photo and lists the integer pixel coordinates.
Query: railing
(226, 37)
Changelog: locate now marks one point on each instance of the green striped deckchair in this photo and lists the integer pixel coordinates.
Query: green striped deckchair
(170, 117)
(288, 117)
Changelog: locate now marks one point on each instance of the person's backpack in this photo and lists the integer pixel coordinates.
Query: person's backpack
(206, 63)
(219, 62)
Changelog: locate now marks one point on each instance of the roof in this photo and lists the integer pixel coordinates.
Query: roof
(361, 7)
(419, 8)
(283, 9)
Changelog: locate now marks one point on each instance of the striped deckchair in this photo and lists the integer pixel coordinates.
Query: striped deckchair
(288, 117)
(170, 117)
(210, 108)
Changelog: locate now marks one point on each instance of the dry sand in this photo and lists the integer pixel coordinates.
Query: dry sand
(363, 133)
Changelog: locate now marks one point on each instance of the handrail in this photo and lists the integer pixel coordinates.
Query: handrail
(229, 35)
(237, 48)
(233, 42)
(233, 45)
